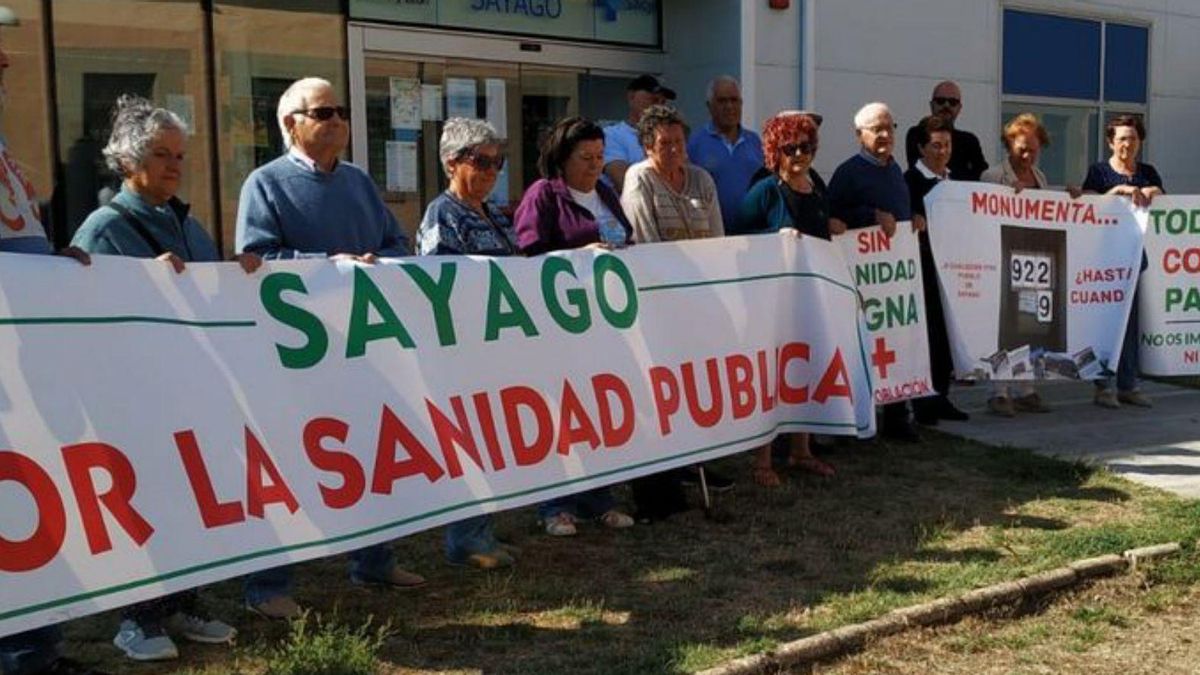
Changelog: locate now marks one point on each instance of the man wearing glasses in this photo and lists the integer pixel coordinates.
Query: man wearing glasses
(310, 204)
(966, 161)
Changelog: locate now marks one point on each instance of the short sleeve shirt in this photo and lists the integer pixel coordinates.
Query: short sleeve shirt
(621, 144)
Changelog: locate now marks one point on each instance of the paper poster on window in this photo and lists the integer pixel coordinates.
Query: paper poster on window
(406, 102)
(460, 97)
(432, 109)
(401, 166)
(497, 109)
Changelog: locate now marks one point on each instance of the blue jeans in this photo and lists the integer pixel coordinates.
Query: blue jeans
(373, 563)
(468, 537)
(31, 651)
(1127, 367)
(590, 504)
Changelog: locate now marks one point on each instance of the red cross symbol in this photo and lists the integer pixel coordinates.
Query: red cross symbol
(882, 357)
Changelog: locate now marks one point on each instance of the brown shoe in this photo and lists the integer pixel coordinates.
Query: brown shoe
(1135, 398)
(397, 577)
(1002, 406)
(1106, 398)
(1031, 403)
(279, 607)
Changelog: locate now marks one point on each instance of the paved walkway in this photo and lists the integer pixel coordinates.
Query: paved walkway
(1158, 447)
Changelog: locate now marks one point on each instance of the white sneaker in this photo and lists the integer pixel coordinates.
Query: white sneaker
(561, 525)
(199, 629)
(616, 520)
(142, 645)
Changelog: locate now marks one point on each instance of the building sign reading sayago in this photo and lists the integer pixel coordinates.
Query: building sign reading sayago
(239, 422)
(627, 21)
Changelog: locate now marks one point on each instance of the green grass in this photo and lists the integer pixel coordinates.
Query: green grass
(326, 646)
(899, 525)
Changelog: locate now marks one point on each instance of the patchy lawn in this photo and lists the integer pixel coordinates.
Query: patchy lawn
(897, 526)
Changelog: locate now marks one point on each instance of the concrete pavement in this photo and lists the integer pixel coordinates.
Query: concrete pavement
(1158, 447)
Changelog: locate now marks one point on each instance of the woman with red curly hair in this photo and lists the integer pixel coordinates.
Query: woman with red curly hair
(791, 197)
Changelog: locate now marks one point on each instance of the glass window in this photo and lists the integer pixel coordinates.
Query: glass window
(1074, 133)
(1046, 55)
(1126, 62)
(25, 125)
(259, 52)
(152, 48)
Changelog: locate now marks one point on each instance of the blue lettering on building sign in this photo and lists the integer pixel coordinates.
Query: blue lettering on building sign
(613, 7)
(537, 8)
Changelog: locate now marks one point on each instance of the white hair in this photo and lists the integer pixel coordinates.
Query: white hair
(296, 98)
(720, 79)
(460, 135)
(870, 112)
(136, 123)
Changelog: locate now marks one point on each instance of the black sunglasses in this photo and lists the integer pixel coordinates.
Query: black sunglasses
(484, 162)
(325, 112)
(947, 101)
(795, 149)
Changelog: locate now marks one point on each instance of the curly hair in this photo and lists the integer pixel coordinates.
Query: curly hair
(1025, 123)
(781, 130)
(654, 117)
(136, 123)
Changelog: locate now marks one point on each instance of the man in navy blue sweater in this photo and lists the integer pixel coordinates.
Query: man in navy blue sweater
(869, 189)
(310, 204)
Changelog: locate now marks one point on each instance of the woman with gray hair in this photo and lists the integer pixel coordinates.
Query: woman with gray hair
(147, 220)
(461, 221)
(665, 196)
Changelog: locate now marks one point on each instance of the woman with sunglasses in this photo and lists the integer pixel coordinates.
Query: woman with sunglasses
(463, 221)
(789, 198)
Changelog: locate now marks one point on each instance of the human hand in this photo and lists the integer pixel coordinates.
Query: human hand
(76, 253)
(887, 221)
(918, 223)
(175, 261)
(837, 226)
(250, 262)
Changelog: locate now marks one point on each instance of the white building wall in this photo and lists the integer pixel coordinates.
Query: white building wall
(856, 51)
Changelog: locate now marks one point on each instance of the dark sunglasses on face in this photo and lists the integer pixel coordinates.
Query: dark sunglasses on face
(949, 101)
(325, 113)
(484, 162)
(797, 149)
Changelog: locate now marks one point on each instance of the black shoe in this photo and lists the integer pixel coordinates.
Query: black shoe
(925, 411)
(717, 483)
(948, 412)
(69, 667)
(818, 448)
(901, 431)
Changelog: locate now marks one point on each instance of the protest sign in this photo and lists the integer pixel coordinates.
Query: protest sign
(1169, 295)
(887, 272)
(162, 431)
(1035, 284)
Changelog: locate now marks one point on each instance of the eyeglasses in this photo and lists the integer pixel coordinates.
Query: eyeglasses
(948, 101)
(325, 112)
(485, 162)
(797, 149)
(880, 128)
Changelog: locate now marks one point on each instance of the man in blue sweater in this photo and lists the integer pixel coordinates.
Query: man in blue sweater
(310, 204)
(869, 189)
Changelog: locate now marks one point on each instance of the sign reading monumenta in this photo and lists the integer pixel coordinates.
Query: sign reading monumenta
(163, 431)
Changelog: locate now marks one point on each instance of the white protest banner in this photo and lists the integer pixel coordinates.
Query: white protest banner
(1169, 295)
(887, 271)
(162, 431)
(1035, 284)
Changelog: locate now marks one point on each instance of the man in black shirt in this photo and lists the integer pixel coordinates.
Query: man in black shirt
(966, 162)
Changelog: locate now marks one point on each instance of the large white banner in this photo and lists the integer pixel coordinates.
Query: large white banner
(161, 431)
(1169, 297)
(887, 271)
(1035, 284)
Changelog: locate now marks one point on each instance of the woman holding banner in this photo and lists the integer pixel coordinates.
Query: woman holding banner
(1122, 174)
(463, 221)
(934, 145)
(790, 199)
(1024, 136)
(570, 208)
(147, 220)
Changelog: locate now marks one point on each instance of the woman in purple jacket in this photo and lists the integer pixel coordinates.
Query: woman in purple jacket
(570, 208)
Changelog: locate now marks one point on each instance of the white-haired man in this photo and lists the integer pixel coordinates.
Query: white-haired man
(869, 189)
(38, 650)
(307, 204)
(731, 153)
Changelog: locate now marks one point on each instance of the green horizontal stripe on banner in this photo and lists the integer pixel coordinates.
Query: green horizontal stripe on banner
(70, 320)
(380, 528)
(757, 277)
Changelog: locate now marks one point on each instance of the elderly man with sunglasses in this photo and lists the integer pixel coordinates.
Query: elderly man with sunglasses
(966, 161)
(309, 204)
